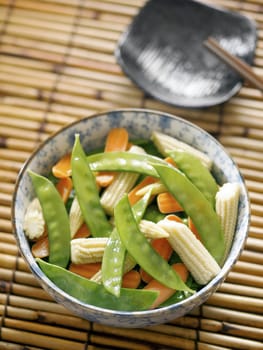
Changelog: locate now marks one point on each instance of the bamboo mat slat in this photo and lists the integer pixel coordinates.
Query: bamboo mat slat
(57, 65)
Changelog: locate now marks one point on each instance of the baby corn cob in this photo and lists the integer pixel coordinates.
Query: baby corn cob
(194, 255)
(87, 250)
(34, 224)
(152, 230)
(75, 217)
(129, 264)
(227, 199)
(166, 143)
(122, 183)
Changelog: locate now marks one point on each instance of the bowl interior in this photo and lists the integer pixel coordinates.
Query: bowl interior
(93, 131)
(162, 51)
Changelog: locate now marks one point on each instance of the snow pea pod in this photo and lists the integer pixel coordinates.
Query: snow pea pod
(197, 207)
(112, 263)
(200, 175)
(124, 161)
(95, 294)
(87, 193)
(141, 250)
(180, 295)
(176, 298)
(140, 207)
(115, 252)
(56, 219)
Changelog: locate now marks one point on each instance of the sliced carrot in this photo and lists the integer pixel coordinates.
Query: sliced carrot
(82, 232)
(167, 203)
(174, 217)
(162, 247)
(166, 292)
(63, 167)
(131, 279)
(64, 187)
(182, 271)
(193, 228)
(117, 140)
(40, 249)
(133, 197)
(145, 276)
(85, 270)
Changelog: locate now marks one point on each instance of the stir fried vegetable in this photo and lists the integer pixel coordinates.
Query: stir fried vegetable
(103, 233)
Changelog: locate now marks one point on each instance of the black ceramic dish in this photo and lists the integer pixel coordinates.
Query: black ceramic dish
(162, 51)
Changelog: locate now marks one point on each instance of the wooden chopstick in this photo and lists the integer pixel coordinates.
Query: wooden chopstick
(234, 62)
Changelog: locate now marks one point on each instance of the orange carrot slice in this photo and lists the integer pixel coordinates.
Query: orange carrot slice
(166, 292)
(85, 270)
(193, 228)
(63, 167)
(117, 140)
(145, 276)
(133, 197)
(82, 232)
(167, 203)
(131, 279)
(162, 247)
(64, 187)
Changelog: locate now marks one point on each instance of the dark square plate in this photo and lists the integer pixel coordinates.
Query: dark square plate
(162, 51)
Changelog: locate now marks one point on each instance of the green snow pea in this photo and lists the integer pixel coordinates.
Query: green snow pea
(197, 207)
(95, 294)
(112, 263)
(87, 193)
(115, 252)
(141, 250)
(200, 175)
(140, 207)
(180, 295)
(124, 161)
(56, 219)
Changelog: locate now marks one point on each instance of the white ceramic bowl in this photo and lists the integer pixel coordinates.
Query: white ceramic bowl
(140, 123)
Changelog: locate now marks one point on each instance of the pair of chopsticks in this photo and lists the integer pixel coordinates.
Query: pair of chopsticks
(234, 62)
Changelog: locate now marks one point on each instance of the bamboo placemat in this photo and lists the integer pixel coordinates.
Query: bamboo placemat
(57, 65)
